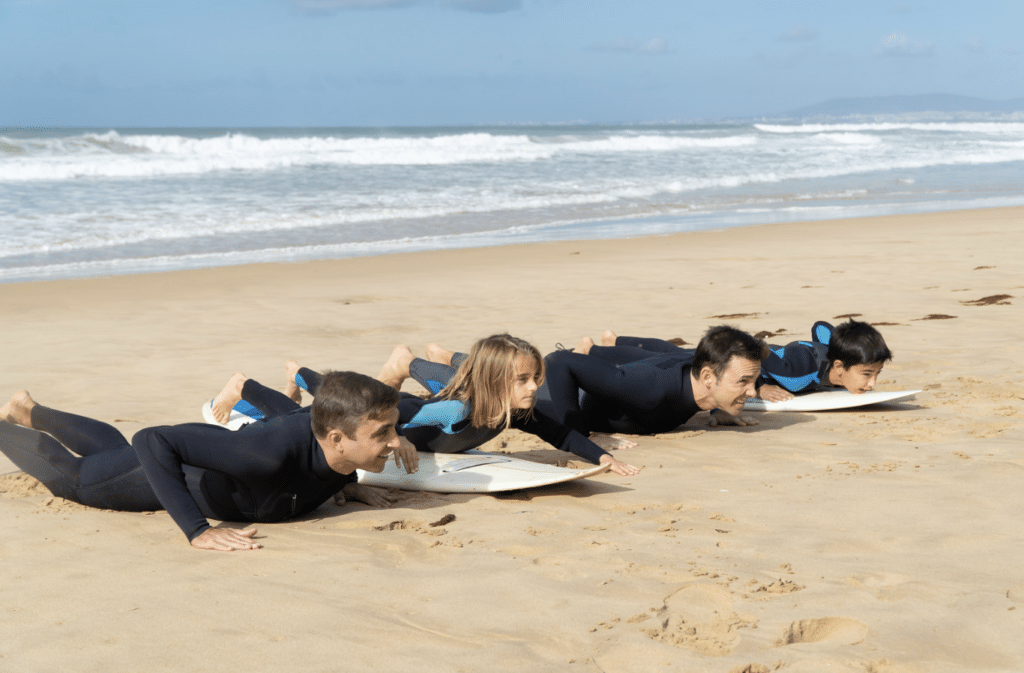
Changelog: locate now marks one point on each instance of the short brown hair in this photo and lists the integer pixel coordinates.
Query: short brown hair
(721, 344)
(485, 379)
(346, 400)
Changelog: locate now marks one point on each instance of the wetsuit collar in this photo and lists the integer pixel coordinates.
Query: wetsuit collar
(319, 462)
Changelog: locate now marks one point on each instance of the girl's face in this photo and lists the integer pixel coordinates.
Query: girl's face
(525, 382)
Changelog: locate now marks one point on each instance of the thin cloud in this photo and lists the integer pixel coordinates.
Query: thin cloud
(798, 34)
(898, 44)
(483, 6)
(655, 45)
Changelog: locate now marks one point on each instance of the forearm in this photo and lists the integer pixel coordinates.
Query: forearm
(162, 464)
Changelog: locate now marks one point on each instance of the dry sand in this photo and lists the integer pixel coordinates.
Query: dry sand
(882, 539)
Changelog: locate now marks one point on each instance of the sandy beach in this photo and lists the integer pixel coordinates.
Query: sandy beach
(882, 540)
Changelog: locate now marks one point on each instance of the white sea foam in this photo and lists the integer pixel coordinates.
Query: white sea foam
(112, 155)
(994, 128)
(81, 198)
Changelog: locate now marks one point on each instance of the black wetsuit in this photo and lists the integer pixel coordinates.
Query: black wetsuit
(266, 472)
(799, 366)
(621, 390)
(435, 425)
(615, 389)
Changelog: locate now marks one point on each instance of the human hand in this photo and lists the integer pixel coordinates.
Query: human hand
(612, 442)
(719, 417)
(406, 456)
(362, 493)
(770, 393)
(226, 539)
(618, 467)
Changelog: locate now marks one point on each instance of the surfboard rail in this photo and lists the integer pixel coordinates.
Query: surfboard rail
(829, 400)
(474, 472)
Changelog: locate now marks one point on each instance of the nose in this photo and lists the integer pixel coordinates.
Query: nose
(751, 390)
(871, 383)
(532, 386)
(393, 443)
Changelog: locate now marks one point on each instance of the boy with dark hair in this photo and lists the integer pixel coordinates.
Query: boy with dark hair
(849, 356)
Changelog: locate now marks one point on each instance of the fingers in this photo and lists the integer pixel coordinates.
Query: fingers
(624, 469)
(747, 420)
(713, 421)
(410, 463)
(226, 539)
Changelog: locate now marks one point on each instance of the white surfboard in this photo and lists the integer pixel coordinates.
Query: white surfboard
(235, 421)
(829, 400)
(474, 472)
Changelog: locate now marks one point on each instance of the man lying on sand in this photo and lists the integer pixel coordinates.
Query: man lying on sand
(268, 472)
(629, 390)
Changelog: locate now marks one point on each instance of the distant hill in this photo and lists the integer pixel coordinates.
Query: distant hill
(942, 103)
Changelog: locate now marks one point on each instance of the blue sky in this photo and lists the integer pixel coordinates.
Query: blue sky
(113, 63)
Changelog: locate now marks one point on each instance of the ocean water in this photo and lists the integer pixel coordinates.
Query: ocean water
(86, 202)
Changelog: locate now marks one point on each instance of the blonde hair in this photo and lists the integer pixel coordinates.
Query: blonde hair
(486, 379)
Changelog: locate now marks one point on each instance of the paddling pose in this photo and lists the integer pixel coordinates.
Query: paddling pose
(849, 356)
(493, 389)
(626, 389)
(266, 472)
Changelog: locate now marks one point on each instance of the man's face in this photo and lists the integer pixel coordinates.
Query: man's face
(735, 385)
(373, 443)
(858, 379)
(524, 386)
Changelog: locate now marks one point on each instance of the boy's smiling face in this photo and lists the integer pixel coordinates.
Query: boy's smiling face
(858, 379)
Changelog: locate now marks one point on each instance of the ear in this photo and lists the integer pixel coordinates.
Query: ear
(837, 365)
(334, 440)
(707, 376)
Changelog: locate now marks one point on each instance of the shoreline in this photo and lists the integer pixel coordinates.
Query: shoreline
(611, 229)
(876, 539)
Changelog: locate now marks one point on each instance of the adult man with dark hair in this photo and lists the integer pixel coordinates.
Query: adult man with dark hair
(634, 391)
(266, 472)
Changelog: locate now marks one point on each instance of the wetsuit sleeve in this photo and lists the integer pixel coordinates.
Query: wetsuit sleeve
(560, 436)
(163, 450)
(794, 367)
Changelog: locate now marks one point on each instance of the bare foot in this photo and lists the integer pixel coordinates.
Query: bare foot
(439, 355)
(19, 409)
(584, 346)
(608, 338)
(396, 369)
(291, 388)
(612, 442)
(228, 398)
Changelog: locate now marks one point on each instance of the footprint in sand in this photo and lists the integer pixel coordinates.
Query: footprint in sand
(697, 617)
(834, 630)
